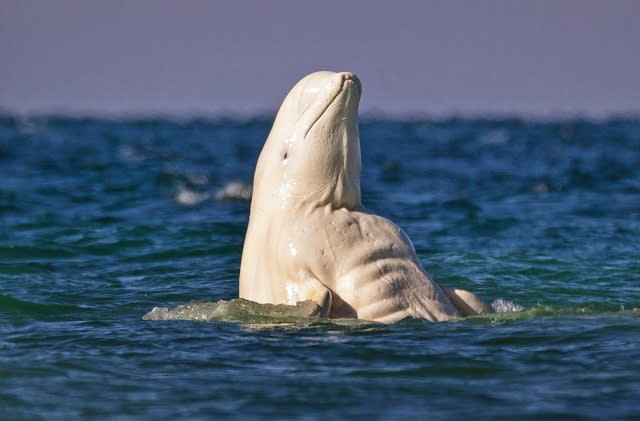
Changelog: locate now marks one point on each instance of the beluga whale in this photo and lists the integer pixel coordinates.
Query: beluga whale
(310, 238)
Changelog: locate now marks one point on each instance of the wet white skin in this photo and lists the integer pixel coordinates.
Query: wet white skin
(310, 238)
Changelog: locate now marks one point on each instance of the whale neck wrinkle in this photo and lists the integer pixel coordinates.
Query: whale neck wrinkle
(344, 192)
(326, 200)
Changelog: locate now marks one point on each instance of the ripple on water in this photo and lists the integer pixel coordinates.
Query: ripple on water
(94, 234)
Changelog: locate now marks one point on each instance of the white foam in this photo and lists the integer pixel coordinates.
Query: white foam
(505, 306)
(189, 197)
(234, 190)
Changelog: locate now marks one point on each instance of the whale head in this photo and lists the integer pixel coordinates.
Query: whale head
(311, 157)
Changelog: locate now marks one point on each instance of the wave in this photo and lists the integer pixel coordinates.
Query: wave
(249, 312)
(245, 311)
(11, 305)
(236, 310)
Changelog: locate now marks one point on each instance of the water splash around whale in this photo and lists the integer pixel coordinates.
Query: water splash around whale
(246, 311)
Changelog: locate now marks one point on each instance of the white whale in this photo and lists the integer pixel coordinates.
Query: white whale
(310, 238)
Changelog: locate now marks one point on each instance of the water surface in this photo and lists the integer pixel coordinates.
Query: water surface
(103, 220)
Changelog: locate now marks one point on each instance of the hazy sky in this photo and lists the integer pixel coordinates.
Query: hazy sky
(433, 57)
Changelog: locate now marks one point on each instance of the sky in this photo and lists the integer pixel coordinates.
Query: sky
(240, 57)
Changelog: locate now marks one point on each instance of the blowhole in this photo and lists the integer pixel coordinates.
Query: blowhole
(286, 154)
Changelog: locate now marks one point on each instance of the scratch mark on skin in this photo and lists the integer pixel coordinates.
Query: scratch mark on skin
(329, 245)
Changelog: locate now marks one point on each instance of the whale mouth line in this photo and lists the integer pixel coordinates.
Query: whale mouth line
(345, 79)
(324, 109)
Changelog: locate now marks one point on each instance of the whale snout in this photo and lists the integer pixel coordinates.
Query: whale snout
(350, 77)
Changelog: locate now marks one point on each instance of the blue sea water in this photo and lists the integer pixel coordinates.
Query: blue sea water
(102, 220)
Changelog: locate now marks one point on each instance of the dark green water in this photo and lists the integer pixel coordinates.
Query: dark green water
(102, 220)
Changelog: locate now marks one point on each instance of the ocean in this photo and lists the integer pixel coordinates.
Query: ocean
(102, 220)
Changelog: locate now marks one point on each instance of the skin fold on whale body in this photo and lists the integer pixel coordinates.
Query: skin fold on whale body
(310, 238)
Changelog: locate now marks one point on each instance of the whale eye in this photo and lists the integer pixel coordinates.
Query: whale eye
(285, 156)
